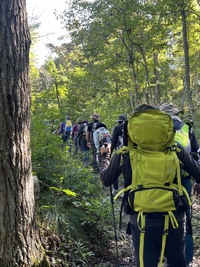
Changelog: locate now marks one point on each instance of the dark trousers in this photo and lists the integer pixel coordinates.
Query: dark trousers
(95, 161)
(67, 141)
(189, 250)
(65, 137)
(84, 151)
(174, 250)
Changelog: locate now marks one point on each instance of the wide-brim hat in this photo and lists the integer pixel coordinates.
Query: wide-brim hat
(79, 120)
(170, 109)
(95, 116)
(121, 118)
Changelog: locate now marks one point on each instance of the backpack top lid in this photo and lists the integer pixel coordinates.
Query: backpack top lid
(151, 129)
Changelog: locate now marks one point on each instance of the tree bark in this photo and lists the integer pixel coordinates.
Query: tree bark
(19, 240)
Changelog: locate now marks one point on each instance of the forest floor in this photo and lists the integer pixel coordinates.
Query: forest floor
(125, 250)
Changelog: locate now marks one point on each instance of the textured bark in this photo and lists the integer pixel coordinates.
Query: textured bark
(19, 241)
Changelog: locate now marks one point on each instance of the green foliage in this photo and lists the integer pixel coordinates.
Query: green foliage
(81, 216)
(121, 54)
(72, 202)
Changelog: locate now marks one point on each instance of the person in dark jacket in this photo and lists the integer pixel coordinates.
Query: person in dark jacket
(117, 135)
(75, 130)
(175, 244)
(117, 142)
(90, 141)
(66, 130)
(83, 142)
(186, 137)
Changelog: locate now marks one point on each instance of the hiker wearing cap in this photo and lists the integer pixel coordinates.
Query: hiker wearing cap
(117, 142)
(90, 140)
(118, 133)
(75, 129)
(186, 137)
(179, 125)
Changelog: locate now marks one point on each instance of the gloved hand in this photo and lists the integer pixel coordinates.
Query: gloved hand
(196, 190)
(105, 148)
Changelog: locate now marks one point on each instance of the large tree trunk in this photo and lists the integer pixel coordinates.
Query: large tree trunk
(19, 241)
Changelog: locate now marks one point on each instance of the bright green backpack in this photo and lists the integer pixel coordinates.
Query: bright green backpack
(155, 166)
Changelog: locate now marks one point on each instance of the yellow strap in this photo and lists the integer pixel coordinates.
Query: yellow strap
(141, 220)
(123, 150)
(164, 238)
(173, 219)
(141, 225)
(169, 217)
(178, 169)
(120, 192)
(134, 160)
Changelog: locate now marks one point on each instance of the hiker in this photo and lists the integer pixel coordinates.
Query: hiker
(101, 135)
(90, 140)
(75, 129)
(83, 142)
(186, 137)
(66, 130)
(117, 142)
(155, 233)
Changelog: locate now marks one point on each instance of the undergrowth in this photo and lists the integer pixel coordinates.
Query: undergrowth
(74, 215)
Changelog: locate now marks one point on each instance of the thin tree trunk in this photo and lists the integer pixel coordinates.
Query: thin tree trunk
(134, 75)
(57, 95)
(187, 62)
(156, 80)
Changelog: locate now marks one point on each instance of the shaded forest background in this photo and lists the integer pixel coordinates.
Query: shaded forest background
(121, 54)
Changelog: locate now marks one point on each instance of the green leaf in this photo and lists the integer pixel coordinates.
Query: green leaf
(69, 192)
(55, 188)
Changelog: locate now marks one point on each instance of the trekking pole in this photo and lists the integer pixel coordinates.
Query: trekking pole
(114, 225)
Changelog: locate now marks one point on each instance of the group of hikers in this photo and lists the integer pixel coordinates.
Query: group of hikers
(157, 154)
(85, 137)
